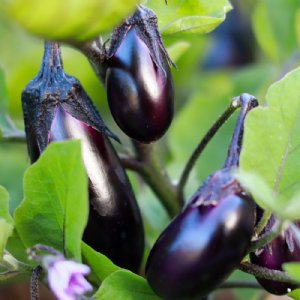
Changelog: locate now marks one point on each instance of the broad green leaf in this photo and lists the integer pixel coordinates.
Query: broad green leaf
(125, 285)
(271, 143)
(190, 16)
(5, 123)
(100, 265)
(293, 270)
(55, 206)
(74, 20)
(177, 50)
(274, 27)
(6, 221)
(295, 294)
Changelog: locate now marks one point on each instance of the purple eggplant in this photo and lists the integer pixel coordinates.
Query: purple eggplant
(282, 249)
(208, 239)
(138, 80)
(57, 108)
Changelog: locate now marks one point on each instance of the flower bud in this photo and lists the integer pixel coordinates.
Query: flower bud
(138, 80)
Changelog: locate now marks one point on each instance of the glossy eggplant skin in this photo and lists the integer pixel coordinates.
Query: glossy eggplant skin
(282, 249)
(57, 108)
(115, 227)
(204, 243)
(140, 90)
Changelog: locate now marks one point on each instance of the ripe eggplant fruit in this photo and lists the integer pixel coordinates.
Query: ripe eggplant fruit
(139, 83)
(208, 239)
(57, 108)
(282, 249)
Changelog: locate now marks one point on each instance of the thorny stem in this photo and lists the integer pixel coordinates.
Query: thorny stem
(34, 283)
(265, 273)
(205, 140)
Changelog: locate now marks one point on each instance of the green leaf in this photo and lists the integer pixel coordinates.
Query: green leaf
(293, 270)
(295, 294)
(271, 146)
(6, 221)
(189, 16)
(70, 19)
(55, 206)
(101, 266)
(5, 122)
(125, 285)
(274, 27)
(178, 49)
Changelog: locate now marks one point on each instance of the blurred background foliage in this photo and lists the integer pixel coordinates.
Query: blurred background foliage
(256, 45)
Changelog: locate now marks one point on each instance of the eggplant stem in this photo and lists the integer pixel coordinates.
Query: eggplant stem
(265, 273)
(204, 142)
(246, 102)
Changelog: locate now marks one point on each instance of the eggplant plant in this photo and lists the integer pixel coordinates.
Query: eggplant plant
(111, 212)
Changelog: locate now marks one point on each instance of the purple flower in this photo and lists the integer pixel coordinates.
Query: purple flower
(66, 279)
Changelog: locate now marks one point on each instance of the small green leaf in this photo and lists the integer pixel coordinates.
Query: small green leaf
(125, 285)
(6, 221)
(55, 206)
(69, 19)
(101, 266)
(271, 146)
(293, 270)
(274, 27)
(189, 16)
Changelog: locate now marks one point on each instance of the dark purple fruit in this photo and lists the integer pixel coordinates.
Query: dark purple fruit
(208, 239)
(282, 249)
(138, 80)
(204, 243)
(56, 108)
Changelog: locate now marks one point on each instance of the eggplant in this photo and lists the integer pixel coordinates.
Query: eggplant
(207, 240)
(57, 108)
(139, 83)
(282, 249)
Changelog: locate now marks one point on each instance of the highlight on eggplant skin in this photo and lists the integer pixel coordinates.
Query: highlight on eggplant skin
(283, 249)
(139, 83)
(205, 242)
(57, 108)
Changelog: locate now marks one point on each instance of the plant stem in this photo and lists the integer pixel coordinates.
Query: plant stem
(34, 283)
(151, 170)
(267, 237)
(246, 102)
(240, 285)
(201, 146)
(96, 55)
(265, 273)
(262, 223)
(14, 136)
